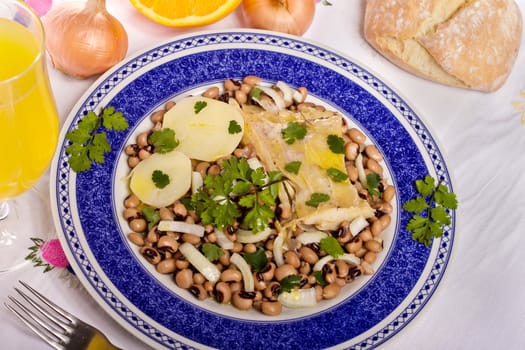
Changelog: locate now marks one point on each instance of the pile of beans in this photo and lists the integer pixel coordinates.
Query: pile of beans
(161, 248)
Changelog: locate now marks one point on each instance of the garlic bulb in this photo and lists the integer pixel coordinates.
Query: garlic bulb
(83, 39)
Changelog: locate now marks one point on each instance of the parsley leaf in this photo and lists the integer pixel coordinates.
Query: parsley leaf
(164, 140)
(372, 183)
(211, 251)
(199, 106)
(294, 131)
(89, 142)
(237, 193)
(336, 175)
(257, 260)
(319, 278)
(151, 215)
(293, 167)
(331, 246)
(431, 210)
(234, 127)
(336, 144)
(255, 93)
(289, 282)
(316, 199)
(160, 179)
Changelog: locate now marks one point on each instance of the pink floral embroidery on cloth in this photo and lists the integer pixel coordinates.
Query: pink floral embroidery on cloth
(40, 6)
(53, 253)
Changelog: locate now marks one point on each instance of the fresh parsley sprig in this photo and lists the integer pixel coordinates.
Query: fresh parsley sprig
(238, 191)
(89, 140)
(430, 210)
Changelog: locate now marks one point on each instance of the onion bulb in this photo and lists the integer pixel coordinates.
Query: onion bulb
(83, 39)
(287, 16)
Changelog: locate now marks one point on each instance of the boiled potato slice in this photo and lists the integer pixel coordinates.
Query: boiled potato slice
(176, 165)
(203, 127)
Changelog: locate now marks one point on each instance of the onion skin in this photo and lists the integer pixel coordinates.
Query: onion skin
(286, 16)
(83, 39)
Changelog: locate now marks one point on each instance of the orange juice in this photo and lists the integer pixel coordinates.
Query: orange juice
(28, 116)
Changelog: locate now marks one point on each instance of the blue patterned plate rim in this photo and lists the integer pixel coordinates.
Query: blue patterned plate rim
(88, 222)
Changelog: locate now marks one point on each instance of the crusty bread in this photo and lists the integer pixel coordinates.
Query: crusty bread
(468, 43)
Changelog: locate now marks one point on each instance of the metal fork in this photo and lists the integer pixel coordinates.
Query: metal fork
(57, 327)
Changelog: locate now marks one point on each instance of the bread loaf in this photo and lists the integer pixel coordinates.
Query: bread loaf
(467, 43)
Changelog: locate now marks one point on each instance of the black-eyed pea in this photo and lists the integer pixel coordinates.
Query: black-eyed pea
(269, 272)
(166, 214)
(366, 268)
(142, 139)
(331, 290)
(211, 237)
(291, 258)
(242, 300)
(376, 228)
(341, 268)
(222, 293)
(133, 161)
(157, 116)
(374, 166)
(351, 150)
(305, 268)
(202, 168)
(131, 150)
(151, 254)
(284, 270)
(352, 172)
(246, 88)
(373, 153)
(356, 135)
(354, 245)
(138, 225)
(198, 291)
(329, 273)
(198, 278)
(361, 252)
(251, 80)
(259, 282)
(143, 154)
(385, 220)
(184, 278)
(237, 247)
(179, 209)
(373, 246)
(340, 281)
(231, 275)
(168, 243)
(241, 97)
(236, 286)
(224, 259)
(250, 248)
(166, 266)
(308, 254)
(370, 257)
(269, 244)
(182, 263)
(389, 193)
(211, 92)
(383, 207)
(210, 287)
(231, 85)
(136, 238)
(271, 291)
(365, 235)
(153, 235)
(214, 170)
(131, 201)
(271, 308)
(189, 238)
(131, 213)
(318, 292)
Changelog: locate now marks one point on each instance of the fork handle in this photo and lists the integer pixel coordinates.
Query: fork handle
(100, 342)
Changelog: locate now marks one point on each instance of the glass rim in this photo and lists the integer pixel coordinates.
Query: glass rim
(42, 40)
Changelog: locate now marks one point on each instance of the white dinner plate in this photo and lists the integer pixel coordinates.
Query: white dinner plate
(87, 206)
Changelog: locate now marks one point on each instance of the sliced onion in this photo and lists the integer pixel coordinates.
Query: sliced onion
(278, 250)
(222, 240)
(358, 224)
(247, 276)
(196, 181)
(274, 95)
(254, 163)
(322, 262)
(181, 226)
(360, 169)
(200, 262)
(248, 236)
(298, 298)
(350, 258)
(287, 92)
(314, 236)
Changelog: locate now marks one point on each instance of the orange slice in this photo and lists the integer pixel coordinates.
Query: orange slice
(185, 13)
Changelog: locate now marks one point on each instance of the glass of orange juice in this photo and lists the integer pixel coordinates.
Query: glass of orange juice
(28, 128)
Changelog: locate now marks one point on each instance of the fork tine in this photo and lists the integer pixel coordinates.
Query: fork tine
(51, 342)
(64, 326)
(49, 303)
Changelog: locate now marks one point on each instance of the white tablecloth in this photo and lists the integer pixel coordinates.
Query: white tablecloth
(479, 303)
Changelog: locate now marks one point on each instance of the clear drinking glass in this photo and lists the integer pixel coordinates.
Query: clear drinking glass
(28, 129)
